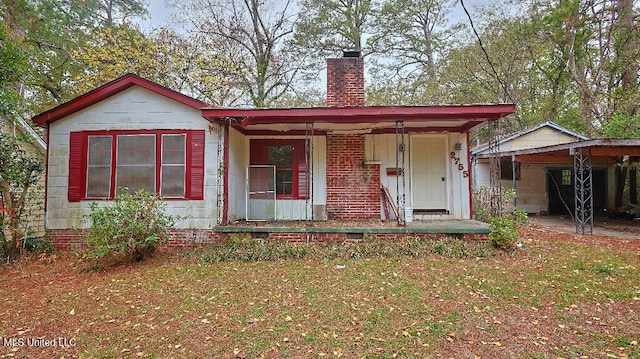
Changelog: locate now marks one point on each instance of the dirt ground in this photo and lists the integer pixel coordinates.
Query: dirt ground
(496, 326)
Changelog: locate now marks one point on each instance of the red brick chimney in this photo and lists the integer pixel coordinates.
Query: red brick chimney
(345, 80)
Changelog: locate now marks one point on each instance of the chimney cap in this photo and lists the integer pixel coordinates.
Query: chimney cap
(350, 53)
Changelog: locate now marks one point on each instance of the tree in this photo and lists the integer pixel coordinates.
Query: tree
(328, 27)
(252, 33)
(13, 68)
(18, 173)
(49, 31)
(165, 57)
(598, 43)
(413, 33)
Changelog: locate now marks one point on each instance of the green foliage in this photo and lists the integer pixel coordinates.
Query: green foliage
(12, 69)
(19, 172)
(130, 228)
(504, 233)
(623, 125)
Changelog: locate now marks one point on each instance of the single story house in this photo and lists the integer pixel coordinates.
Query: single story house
(556, 171)
(221, 166)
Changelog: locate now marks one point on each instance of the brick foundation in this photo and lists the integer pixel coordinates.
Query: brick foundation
(67, 239)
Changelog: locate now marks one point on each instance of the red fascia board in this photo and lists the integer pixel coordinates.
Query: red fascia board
(108, 90)
(249, 117)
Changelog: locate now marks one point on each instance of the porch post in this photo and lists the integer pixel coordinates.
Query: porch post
(583, 190)
(308, 158)
(514, 175)
(400, 182)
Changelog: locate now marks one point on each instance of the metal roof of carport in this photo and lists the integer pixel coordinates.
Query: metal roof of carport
(602, 150)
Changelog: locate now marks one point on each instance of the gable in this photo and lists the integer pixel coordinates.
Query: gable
(108, 90)
(133, 108)
(544, 136)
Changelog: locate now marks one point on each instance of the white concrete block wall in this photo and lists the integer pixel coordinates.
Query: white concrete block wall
(132, 109)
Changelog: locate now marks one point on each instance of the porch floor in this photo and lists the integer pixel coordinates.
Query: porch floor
(454, 227)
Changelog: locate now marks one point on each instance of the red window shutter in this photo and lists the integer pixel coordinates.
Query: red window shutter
(77, 168)
(196, 170)
(303, 191)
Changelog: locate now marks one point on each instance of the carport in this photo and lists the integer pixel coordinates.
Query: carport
(583, 155)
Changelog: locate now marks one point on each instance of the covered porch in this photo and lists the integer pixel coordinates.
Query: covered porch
(349, 164)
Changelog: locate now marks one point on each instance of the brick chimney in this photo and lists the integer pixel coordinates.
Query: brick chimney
(345, 80)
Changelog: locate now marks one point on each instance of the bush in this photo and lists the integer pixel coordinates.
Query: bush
(129, 229)
(504, 233)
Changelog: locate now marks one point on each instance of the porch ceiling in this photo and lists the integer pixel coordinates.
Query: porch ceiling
(375, 119)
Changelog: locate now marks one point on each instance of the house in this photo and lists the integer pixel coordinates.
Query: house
(216, 166)
(533, 192)
(557, 171)
(34, 212)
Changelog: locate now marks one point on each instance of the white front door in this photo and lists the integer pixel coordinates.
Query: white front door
(429, 185)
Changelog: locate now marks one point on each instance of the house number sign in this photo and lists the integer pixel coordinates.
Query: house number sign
(457, 162)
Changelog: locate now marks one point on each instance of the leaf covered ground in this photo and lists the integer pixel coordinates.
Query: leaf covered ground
(559, 296)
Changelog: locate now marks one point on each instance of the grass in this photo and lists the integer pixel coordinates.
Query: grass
(552, 299)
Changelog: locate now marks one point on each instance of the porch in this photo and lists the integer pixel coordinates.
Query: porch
(322, 231)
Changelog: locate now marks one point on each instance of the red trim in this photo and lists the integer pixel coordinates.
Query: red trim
(108, 90)
(225, 192)
(364, 114)
(469, 178)
(194, 147)
(46, 178)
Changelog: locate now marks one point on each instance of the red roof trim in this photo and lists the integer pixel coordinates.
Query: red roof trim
(363, 114)
(108, 90)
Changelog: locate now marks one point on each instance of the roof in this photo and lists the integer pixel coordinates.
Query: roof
(531, 129)
(108, 90)
(602, 149)
(25, 126)
(371, 119)
(368, 119)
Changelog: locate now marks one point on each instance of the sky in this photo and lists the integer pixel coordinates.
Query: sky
(160, 12)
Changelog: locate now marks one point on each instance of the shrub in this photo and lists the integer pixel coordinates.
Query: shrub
(130, 228)
(504, 233)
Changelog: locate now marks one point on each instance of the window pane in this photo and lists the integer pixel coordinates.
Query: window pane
(136, 162)
(172, 181)
(136, 177)
(173, 149)
(98, 166)
(136, 150)
(280, 156)
(98, 181)
(99, 151)
(284, 181)
(566, 177)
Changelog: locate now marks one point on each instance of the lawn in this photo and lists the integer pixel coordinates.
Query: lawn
(560, 295)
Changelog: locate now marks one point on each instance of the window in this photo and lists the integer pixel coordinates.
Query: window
(174, 165)
(136, 162)
(288, 156)
(566, 178)
(170, 163)
(282, 158)
(99, 166)
(506, 169)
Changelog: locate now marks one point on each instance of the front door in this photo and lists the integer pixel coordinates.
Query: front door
(429, 174)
